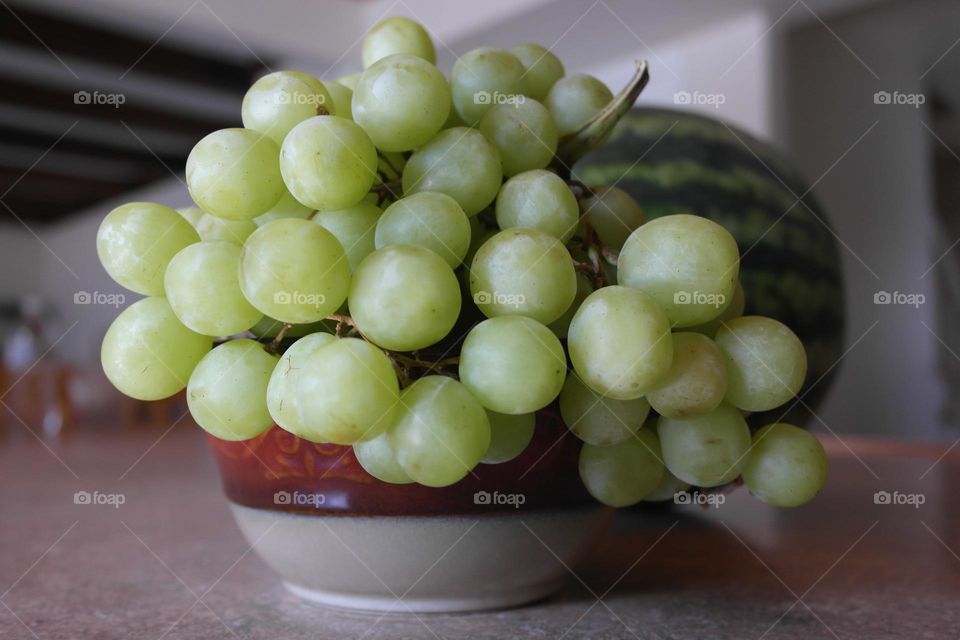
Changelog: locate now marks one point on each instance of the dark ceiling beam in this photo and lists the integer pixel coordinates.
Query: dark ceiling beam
(132, 111)
(43, 141)
(73, 36)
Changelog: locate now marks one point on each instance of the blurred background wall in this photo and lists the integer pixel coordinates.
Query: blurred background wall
(805, 74)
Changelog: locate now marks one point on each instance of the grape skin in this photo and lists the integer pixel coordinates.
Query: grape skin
(575, 99)
(428, 219)
(401, 102)
(697, 380)
(354, 227)
(459, 162)
(404, 297)
(282, 387)
(148, 354)
(538, 199)
(688, 264)
(281, 100)
(523, 133)
(787, 466)
(441, 432)
(542, 69)
(706, 450)
(613, 214)
(598, 420)
(211, 304)
(393, 36)
(619, 342)
(379, 459)
(347, 393)
(523, 272)
(766, 362)
(484, 77)
(622, 474)
(233, 174)
(512, 364)
(509, 436)
(227, 392)
(294, 270)
(136, 242)
(328, 163)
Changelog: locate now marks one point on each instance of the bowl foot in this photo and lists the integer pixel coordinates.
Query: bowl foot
(428, 564)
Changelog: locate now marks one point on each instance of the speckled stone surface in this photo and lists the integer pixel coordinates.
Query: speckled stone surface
(170, 563)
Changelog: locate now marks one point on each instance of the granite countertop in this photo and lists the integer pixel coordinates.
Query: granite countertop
(169, 562)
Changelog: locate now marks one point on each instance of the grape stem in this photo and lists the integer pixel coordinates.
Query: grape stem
(595, 250)
(274, 346)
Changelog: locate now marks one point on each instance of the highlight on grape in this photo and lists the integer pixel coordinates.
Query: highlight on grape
(401, 261)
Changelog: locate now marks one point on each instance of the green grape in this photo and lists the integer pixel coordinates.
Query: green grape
(281, 100)
(459, 162)
(136, 242)
(623, 474)
(670, 485)
(523, 133)
(509, 436)
(147, 353)
(347, 393)
(286, 207)
(688, 264)
(523, 272)
(538, 199)
(734, 309)
(619, 343)
(342, 97)
(397, 35)
(542, 69)
(561, 325)
(203, 288)
(282, 388)
(613, 214)
(401, 102)
(350, 80)
(787, 466)
(378, 458)
(191, 214)
(212, 228)
(234, 174)
(354, 227)
(294, 270)
(697, 380)
(706, 450)
(512, 364)
(227, 392)
(429, 219)
(441, 432)
(766, 362)
(575, 99)
(485, 77)
(328, 163)
(270, 327)
(598, 420)
(404, 297)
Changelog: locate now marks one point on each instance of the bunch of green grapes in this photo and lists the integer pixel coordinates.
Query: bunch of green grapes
(398, 262)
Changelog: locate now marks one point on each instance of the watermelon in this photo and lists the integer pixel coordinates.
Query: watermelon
(677, 162)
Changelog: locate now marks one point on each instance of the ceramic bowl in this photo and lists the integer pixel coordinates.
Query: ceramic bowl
(505, 535)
